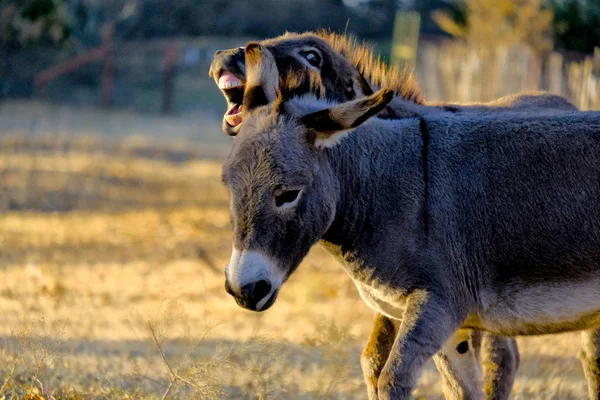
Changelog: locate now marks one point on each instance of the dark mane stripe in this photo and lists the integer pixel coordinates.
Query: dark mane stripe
(372, 68)
(254, 97)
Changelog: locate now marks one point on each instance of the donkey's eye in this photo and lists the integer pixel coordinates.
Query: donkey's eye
(286, 197)
(312, 57)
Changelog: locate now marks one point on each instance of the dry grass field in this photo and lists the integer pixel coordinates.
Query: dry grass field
(111, 283)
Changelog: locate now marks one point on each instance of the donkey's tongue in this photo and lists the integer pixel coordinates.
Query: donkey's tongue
(233, 116)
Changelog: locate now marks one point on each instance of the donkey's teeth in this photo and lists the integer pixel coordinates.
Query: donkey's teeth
(228, 80)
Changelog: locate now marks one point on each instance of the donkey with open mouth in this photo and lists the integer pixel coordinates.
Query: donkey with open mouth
(488, 224)
(337, 67)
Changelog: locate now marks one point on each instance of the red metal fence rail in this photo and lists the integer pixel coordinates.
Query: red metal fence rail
(103, 52)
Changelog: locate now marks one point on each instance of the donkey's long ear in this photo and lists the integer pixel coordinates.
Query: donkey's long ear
(330, 125)
(262, 77)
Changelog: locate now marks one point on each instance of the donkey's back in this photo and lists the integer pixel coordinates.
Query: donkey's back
(517, 200)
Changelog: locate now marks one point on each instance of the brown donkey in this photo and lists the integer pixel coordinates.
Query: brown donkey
(338, 68)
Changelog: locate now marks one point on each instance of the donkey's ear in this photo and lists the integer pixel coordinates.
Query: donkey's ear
(262, 77)
(331, 124)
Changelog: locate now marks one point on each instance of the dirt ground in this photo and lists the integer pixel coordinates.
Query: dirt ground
(111, 279)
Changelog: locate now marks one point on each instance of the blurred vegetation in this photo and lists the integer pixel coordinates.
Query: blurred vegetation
(30, 22)
(500, 22)
(24, 22)
(38, 34)
(576, 24)
(570, 24)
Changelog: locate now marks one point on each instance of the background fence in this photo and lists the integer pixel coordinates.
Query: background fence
(172, 75)
(455, 71)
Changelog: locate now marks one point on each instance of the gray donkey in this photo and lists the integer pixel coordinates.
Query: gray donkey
(457, 222)
(340, 68)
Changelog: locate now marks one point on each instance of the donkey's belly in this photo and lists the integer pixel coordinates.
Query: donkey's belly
(543, 309)
(383, 300)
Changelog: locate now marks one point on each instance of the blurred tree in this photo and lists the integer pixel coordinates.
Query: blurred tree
(233, 17)
(426, 7)
(27, 22)
(376, 18)
(492, 22)
(577, 24)
(89, 16)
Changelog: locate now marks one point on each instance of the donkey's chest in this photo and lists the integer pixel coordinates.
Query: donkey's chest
(386, 301)
(375, 290)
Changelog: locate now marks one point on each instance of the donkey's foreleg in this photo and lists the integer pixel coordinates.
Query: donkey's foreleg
(500, 363)
(377, 350)
(590, 358)
(458, 362)
(428, 322)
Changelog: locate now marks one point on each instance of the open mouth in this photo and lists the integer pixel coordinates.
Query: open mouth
(266, 304)
(262, 305)
(233, 116)
(233, 90)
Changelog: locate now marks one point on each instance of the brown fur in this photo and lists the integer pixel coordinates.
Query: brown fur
(262, 88)
(373, 68)
(590, 360)
(500, 363)
(377, 350)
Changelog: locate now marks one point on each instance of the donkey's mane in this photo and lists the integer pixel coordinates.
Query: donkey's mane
(372, 68)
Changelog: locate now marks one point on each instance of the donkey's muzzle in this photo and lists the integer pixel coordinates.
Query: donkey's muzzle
(253, 279)
(228, 69)
(252, 294)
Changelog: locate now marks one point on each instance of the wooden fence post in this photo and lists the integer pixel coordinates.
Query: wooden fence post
(405, 40)
(555, 73)
(170, 61)
(107, 67)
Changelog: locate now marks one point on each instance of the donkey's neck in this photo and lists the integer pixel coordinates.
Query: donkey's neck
(379, 168)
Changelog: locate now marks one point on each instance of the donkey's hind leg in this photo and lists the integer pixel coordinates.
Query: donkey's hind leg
(458, 363)
(375, 354)
(500, 363)
(590, 358)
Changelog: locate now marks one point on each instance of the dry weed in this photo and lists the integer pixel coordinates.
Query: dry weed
(38, 348)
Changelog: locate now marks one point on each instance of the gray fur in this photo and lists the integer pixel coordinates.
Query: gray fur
(522, 102)
(341, 80)
(509, 208)
(500, 376)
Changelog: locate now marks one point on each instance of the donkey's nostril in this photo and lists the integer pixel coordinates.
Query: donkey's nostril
(262, 289)
(247, 291)
(253, 293)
